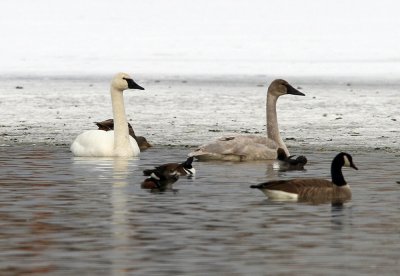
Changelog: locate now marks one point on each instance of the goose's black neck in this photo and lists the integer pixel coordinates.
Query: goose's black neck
(336, 171)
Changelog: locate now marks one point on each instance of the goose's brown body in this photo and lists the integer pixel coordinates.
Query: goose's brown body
(313, 190)
(308, 189)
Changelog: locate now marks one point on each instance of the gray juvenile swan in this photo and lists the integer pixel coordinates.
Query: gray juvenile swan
(251, 147)
(313, 190)
(99, 143)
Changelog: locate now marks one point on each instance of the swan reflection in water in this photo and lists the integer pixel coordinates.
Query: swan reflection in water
(117, 170)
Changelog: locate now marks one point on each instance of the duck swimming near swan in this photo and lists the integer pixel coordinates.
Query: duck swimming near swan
(313, 190)
(161, 178)
(288, 163)
(251, 147)
(183, 169)
(99, 143)
(108, 125)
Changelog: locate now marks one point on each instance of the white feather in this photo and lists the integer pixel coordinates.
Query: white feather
(346, 161)
(279, 195)
(100, 143)
(191, 171)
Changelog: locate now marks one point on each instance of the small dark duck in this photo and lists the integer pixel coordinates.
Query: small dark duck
(289, 163)
(161, 179)
(183, 169)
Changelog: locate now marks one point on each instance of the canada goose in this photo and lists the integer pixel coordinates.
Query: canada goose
(98, 143)
(288, 163)
(313, 189)
(183, 169)
(108, 125)
(251, 147)
(161, 178)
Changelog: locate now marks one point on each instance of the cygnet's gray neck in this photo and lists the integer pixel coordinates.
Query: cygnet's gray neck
(272, 122)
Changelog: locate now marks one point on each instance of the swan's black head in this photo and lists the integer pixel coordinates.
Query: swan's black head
(132, 84)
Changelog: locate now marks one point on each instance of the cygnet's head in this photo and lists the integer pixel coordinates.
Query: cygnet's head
(123, 81)
(281, 87)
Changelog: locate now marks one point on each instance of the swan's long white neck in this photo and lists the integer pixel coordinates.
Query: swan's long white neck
(122, 146)
(272, 122)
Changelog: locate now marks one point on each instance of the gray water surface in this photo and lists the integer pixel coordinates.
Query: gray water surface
(66, 215)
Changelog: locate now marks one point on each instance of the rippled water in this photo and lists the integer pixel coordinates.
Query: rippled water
(66, 215)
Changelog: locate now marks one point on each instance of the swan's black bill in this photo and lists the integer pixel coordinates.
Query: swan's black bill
(132, 84)
(293, 91)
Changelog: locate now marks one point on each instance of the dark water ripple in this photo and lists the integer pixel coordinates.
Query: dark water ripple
(65, 215)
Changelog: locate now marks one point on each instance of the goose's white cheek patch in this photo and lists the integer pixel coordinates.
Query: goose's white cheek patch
(346, 161)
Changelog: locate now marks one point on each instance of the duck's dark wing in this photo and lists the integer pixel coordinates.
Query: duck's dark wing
(161, 169)
(105, 125)
(109, 125)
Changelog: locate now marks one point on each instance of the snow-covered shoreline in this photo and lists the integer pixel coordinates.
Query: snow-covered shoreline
(188, 111)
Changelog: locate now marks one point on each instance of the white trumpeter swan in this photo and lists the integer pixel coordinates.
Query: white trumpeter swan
(99, 143)
(252, 147)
